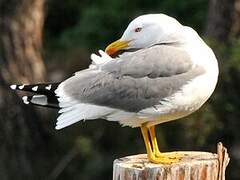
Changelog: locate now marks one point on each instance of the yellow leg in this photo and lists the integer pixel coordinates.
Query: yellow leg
(156, 151)
(154, 155)
(147, 142)
(154, 141)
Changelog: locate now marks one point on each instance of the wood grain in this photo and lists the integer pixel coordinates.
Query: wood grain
(193, 166)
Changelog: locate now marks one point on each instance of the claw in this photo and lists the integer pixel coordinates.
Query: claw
(167, 158)
(164, 159)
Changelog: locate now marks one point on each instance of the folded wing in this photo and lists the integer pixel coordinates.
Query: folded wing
(133, 82)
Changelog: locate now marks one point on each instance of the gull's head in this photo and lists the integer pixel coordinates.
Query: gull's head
(146, 31)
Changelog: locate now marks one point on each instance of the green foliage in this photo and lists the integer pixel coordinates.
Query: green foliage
(101, 22)
(235, 54)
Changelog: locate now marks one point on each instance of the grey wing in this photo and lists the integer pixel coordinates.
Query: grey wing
(135, 81)
(157, 61)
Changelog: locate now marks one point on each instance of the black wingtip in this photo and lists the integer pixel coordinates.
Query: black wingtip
(45, 88)
(41, 100)
(18, 87)
(44, 94)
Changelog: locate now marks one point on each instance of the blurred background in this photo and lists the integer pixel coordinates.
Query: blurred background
(49, 40)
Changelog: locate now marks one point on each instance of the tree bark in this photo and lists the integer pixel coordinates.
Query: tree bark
(220, 19)
(21, 24)
(21, 134)
(193, 166)
(236, 19)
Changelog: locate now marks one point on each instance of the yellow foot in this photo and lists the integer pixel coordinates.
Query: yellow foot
(171, 155)
(166, 158)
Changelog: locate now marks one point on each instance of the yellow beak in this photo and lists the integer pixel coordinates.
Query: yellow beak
(116, 46)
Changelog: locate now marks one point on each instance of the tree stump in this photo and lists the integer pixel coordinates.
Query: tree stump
(193, 166)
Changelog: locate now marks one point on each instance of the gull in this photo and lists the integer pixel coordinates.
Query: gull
(158, 71)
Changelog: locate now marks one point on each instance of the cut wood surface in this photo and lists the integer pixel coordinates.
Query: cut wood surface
(194, 166)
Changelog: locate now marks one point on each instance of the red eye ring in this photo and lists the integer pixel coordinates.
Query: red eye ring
(138, 29)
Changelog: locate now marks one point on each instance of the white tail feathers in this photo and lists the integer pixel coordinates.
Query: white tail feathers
(81, 111)
(73, 110)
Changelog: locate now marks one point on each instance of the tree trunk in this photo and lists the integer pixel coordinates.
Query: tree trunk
(193, 166)
(236, 19)
(220, 19)
(21, 133)
(21, 24)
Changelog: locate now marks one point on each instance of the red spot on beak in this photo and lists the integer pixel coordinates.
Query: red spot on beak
(111, 51)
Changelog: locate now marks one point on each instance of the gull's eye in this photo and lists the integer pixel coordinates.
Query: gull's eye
(138, 29)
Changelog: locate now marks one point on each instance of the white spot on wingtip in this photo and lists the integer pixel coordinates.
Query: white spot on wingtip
(48, 87)
(25, 101)
(35, 88)
(13, 87)
(39, 99)
(57, 127)
(21, 87)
